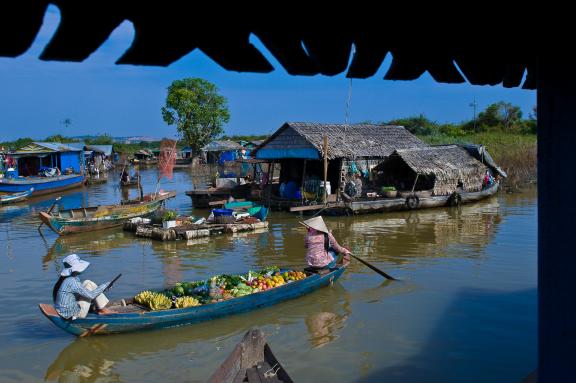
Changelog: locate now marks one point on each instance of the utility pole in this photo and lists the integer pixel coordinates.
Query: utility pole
(473, 105)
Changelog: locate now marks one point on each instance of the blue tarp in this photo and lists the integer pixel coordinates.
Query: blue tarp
(70, 160)
(308, 153)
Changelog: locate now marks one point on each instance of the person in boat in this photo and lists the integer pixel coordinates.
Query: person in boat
(124, 177)
(72, 298)
(323, 249)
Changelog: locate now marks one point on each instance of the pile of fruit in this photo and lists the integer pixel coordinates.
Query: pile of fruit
(187, 301)
(217, 288)
(265, 283)
(293, 275)
(155, 301)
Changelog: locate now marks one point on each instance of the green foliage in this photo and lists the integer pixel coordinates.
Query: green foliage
(245, 138)
(169, 215)
(60, 139)
(388, 189)
(197, 110)
(101, 139)
(416, 125)
(13, 145)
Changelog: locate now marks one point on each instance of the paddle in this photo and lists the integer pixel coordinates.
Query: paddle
(113, 280)
(374, 268)
(50, 210)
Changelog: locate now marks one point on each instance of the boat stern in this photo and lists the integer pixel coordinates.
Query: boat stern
(51, 222)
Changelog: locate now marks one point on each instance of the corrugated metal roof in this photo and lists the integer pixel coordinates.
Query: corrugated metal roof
(105, 149)
(46, 147)
(222, 145)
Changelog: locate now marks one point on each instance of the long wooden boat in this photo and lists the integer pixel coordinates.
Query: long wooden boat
(133, 317)
(201, 198)
(378, 205)
(9, 198)
(103, 217)
(92, 180)
(252, 361)
(41, 185)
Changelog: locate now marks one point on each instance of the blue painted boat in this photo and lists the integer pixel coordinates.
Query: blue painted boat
(41, 185)
(9, 198)
(133, 317)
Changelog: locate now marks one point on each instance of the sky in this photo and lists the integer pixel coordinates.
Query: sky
(125, 100)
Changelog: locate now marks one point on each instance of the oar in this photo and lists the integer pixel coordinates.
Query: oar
(374, 268)
(50, 210)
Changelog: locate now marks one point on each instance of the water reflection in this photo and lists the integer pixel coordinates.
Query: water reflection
(401, 237)
(327, 321)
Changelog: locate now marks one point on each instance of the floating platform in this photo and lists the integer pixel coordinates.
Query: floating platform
(191, 231)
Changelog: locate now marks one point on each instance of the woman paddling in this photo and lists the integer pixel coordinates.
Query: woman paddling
(72, 298)
(323, 249)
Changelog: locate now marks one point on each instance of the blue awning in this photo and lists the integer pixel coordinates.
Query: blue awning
(304, 153)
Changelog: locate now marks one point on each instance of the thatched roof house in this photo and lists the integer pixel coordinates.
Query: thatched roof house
(305, 141)
(440, 168)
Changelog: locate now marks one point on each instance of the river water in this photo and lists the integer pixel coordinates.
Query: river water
(464, 310)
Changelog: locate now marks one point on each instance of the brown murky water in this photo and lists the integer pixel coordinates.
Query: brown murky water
(464, 311)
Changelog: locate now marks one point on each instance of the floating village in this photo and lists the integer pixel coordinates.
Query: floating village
(192, 194)
(308, 170)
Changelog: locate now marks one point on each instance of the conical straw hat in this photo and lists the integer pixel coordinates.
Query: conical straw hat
(316, 223)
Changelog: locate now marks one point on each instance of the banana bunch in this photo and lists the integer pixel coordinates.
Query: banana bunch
(160, 302)
(143, 297)
(153, 300)
(186, 301)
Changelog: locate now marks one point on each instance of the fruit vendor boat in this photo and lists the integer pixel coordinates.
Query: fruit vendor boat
(103, 217)
(8, 198)
(251, 361)
(135, 317)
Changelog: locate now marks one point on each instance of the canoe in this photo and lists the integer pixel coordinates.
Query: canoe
(9, 198)
(97, 180)
(102, 217)
(251, 361)
(133, 317)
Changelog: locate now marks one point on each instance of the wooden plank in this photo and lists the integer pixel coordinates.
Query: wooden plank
(253, 376)
(224, 201)
(308, 207)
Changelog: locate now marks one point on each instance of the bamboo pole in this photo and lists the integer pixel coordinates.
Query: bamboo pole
(302, 183)
(325, 167)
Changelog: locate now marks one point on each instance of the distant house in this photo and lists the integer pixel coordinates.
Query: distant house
(44, 167)
(37, 156)
(220, 151)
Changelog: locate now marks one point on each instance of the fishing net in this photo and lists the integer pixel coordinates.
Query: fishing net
(166, 158)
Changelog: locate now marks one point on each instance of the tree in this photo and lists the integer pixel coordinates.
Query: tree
(101, 139)
(420, 124)
(197, 110)
(511, 114)
(60, 138)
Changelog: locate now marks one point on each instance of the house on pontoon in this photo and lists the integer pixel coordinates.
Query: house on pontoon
(348, 177)
(45, 167)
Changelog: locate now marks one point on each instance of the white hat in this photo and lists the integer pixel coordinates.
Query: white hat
(316, 223)
(73, 263)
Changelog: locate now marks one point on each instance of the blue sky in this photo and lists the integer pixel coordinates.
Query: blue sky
(123, 100)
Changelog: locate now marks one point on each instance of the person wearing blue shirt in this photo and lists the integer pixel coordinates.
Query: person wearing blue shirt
(73, 298)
